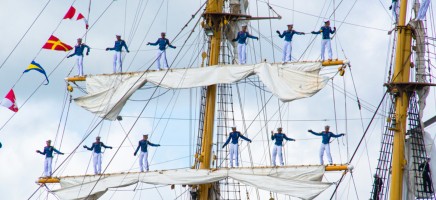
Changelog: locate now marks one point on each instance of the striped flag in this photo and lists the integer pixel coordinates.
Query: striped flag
(37, 67)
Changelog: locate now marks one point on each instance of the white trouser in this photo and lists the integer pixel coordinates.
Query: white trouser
(143, 161)
(117, 57)
(277, 150)
(287, 49)
(97, 163)
(241, 53)
(80, 65)
(325, 43)
(325, 147)
(423, 9)
(161, 55)
(234, 154)
(47, 166)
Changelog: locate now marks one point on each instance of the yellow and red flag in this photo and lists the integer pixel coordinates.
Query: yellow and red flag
(53, 43)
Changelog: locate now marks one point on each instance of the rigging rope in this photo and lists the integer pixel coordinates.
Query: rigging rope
(56, 67)
(354, 184)
(88, 19)
(25, 33)
(271, 32)
(136, 120)
(360, 142)
(76, 147)
(346, 117)
(146, 34)
(314, 36)
(65, 123)
(336, 121)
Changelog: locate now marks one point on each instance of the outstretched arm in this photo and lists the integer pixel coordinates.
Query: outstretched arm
(110, 48)
(252, 36)
(58, 152)
(299, 33)
(337, 135)
(317, 32)
(102, 144)
(286, 137)
(272, 135)
(71, 55)
(153, 145)
(243, 137)
(153, 44)
(315, 133)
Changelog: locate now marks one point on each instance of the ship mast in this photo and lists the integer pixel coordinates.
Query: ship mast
(213, 19)
(400, 81)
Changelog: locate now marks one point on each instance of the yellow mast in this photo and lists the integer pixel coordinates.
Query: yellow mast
(213, 21)
(401, 75)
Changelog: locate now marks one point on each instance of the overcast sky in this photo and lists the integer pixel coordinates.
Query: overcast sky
(362, 39)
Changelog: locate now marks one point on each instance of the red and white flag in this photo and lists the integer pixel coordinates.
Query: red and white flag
(73, 14)
(9, 101)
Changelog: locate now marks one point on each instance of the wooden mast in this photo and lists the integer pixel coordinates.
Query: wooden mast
(213, 22)
(401, 96)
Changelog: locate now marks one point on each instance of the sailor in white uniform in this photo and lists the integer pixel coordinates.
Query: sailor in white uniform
(78, 52)
(48, 152)
(278, 145)
(326, 30)
(242, 43)
(96, 148)
(118, 46)
(287, 48)
(325, 145)
(234, 137)
(143, 156)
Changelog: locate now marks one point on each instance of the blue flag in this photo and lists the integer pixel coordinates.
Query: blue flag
(37, 67)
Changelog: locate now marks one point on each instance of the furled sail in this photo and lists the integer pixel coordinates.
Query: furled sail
(301, 181)
(420, 37)
(107, 94)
